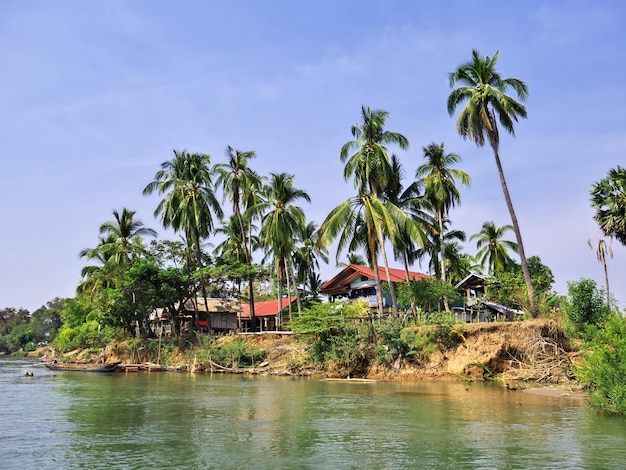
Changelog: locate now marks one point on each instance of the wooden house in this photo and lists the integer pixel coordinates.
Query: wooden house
(359, 282)
(476, 307)
(213, 315)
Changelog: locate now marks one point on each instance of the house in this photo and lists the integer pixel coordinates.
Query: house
(359, 282)
(215, 314)
(476, 307)
(266, 313)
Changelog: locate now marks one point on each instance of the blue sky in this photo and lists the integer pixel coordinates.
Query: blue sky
(95, 95)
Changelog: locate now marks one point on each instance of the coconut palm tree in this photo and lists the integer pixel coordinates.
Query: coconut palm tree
(352, 258)
(602, 250)
(411, 201)
(280, 221)
(189, 203)
(608, 198)
(308, 252)
(440, 189)
(493, 251)
(237, 179)
(367, 162)
(484, 92)
(120, 242)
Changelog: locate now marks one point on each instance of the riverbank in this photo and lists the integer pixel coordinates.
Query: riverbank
(531, 351)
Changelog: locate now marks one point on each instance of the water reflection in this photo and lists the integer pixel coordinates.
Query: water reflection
(169, 420)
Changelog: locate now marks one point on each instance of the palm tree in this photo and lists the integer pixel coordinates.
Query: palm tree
(493, 251)
(411, 201)
(236, 180)
(308, 252)
(120, 241)
(440, 189)
(352, 258)
(484, 90)
(280, 221)
(458, 264)
(602, 250)
(608, 198)
(189, 200)
(432, 246)
(367, 161)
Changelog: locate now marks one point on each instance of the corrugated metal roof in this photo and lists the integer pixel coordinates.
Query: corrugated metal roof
(266, 308)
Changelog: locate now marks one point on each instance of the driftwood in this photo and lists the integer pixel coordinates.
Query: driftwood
(540, 359)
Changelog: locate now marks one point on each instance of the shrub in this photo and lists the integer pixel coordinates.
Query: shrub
(603, 371)
(584, 306)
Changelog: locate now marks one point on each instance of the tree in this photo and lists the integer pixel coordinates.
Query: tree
(602, 250)
(484, 90)
(237, 180)
(412, 202)
(123, 236)
(493, 251)
(280, 222)
(367, 162)
(120, 243)
(608, 198)
(189, 202)
(46, 320)
(440, 188)
(307, 253)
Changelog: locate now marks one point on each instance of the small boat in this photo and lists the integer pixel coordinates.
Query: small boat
(82, 367)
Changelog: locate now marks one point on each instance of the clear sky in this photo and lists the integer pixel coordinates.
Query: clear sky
(95, 95)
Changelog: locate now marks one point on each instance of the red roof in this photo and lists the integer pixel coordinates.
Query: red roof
(267, 308)
(342, 280)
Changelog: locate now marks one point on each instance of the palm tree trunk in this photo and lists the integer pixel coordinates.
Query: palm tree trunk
(606, 280)
(295, 285)
(372, 243)
(442, 256)
(280, 293)
(392, 290)
(534, 312)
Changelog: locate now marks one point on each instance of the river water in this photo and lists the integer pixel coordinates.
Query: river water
(82, 420)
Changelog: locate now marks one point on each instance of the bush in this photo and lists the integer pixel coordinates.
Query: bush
(86, 335)
(603, 371)
(585, 306)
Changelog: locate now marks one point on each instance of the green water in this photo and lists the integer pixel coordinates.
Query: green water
(70, 420)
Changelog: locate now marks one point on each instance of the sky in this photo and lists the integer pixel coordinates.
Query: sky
(95, 95)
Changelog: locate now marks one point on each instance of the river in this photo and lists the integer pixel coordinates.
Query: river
(141, 420)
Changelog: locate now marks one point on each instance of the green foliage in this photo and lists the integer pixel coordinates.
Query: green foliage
(585, 306)
(235, 354)
(426, 294)
(323, 317)
(87, 335)
(603, 371)
(508, 287)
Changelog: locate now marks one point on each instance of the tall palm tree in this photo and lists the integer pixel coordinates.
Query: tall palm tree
(352, 258)
(440, 188)
(484, 90)
(237, 179)
(493, 251)
(189, 202)
(608, 198)
(602, 250)
(280, 221)
(367, 162)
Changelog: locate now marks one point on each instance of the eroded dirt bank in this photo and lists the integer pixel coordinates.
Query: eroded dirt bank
(535, 351)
